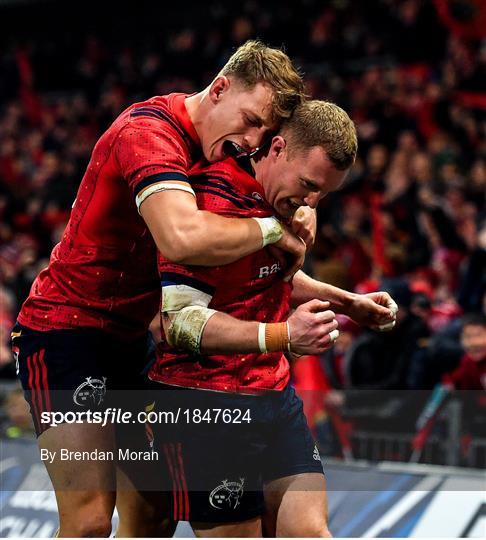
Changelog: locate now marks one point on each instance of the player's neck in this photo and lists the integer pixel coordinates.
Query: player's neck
(258, 164)
(193, 108)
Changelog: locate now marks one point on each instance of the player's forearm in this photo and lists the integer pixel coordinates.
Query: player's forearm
(306, 289)
(186, 235)
(225, 334)
(212, 240)
(311, 329)
(201, 330)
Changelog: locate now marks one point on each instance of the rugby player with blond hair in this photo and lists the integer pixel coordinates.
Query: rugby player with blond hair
(229, 333)
(82, 332)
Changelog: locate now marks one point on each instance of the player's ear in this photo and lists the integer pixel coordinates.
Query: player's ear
(278, 146)
(220, 85)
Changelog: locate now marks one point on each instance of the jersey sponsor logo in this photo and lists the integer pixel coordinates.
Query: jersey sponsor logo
(265, 271)
(227, 496)
(315, 453)
(90, 393)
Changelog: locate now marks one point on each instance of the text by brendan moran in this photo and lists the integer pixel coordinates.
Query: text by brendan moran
(123, 454)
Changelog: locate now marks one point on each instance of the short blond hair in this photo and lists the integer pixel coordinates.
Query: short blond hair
(254, 62)
(322, 123)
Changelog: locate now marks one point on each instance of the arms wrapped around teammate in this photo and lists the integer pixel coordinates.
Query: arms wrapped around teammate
(187, 235)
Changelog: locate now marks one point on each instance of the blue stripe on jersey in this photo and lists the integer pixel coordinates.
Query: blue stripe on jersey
(220, 183)
(214, 181)
(236, 202)
(160, 177)
(146, 114)
(154, 112)
(173, 278)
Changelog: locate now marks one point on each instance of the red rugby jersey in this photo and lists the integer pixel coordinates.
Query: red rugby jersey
(103, 273)
(249, 289)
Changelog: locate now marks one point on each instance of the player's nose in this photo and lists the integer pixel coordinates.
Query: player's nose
(252, 140)
(312, 200)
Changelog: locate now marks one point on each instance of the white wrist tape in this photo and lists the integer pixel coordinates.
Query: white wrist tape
(187, 327)
(261, 338)
(271, 228)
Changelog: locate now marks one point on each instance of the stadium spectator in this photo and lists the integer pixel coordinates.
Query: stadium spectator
(471, 372)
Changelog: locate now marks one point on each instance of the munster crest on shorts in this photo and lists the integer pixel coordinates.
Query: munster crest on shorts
(227, 495)
(90, 393)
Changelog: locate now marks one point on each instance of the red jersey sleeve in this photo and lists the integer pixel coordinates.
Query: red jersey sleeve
(152, 157)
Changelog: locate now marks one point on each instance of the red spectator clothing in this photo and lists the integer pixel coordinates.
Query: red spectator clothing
(469, 375)
(308, 375)
(103, 273)
(249, 289)
(311, 384)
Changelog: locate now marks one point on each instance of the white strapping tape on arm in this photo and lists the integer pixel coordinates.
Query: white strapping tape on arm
(271, 228)
(262, 344)
(161, 186)
(188, 313)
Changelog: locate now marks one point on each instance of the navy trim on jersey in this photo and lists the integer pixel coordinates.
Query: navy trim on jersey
(154, 112)
(218, 182)
(235, 202)
(173, 278)
(160, 177)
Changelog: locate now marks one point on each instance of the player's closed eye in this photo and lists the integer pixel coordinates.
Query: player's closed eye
(309, 185)
(252, 121)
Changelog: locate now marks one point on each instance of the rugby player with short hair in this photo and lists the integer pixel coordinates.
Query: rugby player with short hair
(228, 331)
(83, 330)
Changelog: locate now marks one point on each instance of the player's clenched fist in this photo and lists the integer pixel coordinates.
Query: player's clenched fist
(304, 224)
(291, 252)
(312, 328)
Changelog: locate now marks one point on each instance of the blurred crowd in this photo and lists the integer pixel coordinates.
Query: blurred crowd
(411, 218)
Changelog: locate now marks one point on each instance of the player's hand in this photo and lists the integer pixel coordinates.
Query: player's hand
(304, 224)
(313, 328)
(291, 252)
(377, 310)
